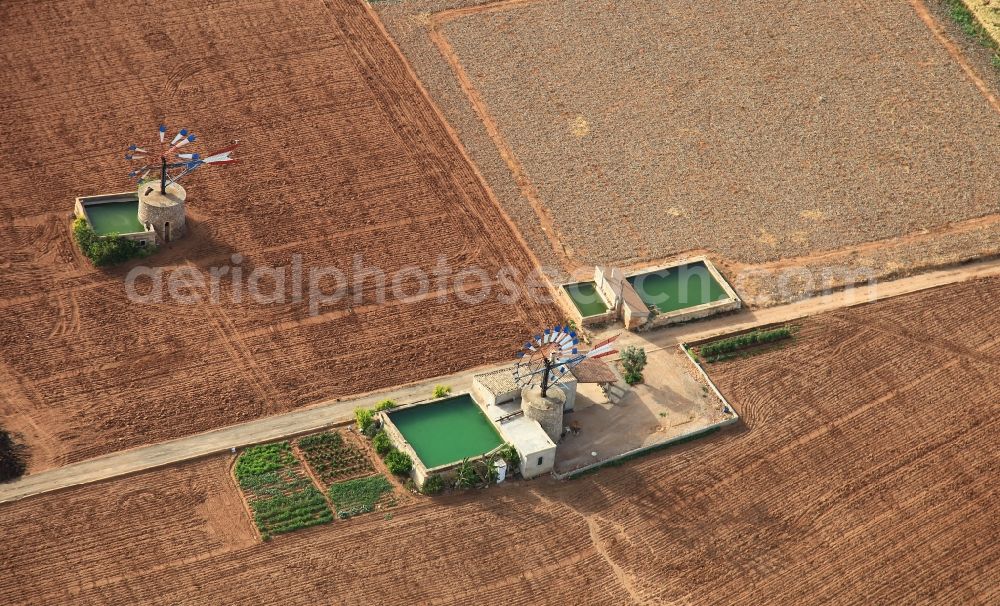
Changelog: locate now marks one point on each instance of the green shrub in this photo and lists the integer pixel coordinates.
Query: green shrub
(12, 458)
(509, 454)
(382, 443)
(441, 391)
(398, 462)
(384, 405)
(109, 250)
(434, 484)
(633, 360)
(465, 475)
(487, 471)
(365, 419)
(724, 348)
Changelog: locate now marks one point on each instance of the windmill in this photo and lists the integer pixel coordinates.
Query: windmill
(548, 357)
(166, 156)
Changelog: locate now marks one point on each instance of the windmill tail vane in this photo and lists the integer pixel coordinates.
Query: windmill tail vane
(164, 155)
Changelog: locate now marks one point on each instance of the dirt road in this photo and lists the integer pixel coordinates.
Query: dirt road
(328, 413)
(864, 472)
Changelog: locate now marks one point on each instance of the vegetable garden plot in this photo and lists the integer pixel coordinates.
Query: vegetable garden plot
(360, 495)
(281, 496)
(334, 457)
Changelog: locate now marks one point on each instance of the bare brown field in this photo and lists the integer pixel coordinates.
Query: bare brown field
(629, 132)
(865, 474)
(342, 156)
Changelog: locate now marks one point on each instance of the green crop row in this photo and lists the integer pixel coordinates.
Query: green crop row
(360, 495)
(281, 497)
(328, 439)
(723, 348)
(332, 457)
(285, 513)
(961, 14)
(258, 460)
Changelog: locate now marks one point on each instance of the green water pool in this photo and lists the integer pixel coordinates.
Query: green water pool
(586, 299)
(678, 287)
(115, 217)
(446, 431)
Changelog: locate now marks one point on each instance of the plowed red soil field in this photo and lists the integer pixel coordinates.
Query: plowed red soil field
(342, 156)
(865, 473)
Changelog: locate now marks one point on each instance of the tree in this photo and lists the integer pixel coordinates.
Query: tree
(633, 360)
(12, 460)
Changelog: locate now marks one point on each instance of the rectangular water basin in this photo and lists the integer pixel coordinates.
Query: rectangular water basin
(679, 287)
(116, 217)
(585, 297)
(446, 431)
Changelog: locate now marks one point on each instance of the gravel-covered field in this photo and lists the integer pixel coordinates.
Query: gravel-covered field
(865, 473)
(756, 131)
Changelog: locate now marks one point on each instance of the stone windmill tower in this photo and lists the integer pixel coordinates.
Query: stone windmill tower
(161, 201)
(543, 362)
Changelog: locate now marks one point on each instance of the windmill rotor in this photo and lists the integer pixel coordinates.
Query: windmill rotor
(165, 155)
(548, 357)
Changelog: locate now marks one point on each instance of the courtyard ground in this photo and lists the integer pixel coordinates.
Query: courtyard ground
(672, 401)
(861, 477)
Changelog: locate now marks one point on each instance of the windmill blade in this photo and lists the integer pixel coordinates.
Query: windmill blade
(534, 373)
(189, 139)
(571, 360)
(141, 172)
(179, 136)
(189, 156)
(163, 132)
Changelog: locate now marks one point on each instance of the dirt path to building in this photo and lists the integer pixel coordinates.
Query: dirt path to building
(331, 412)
